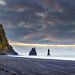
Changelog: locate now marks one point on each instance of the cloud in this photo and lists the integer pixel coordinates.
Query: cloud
(40, 45)
(39, 21)
(2, 2)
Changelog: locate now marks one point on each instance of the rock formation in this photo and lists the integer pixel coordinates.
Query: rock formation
(48, 52)
(5, 48)
(33, 52)
(11, 50)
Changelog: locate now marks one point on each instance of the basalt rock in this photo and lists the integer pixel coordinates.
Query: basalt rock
(11, 50)
(48, 52)
(5, 48)
(33, 52)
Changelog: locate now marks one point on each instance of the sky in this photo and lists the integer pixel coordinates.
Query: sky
(39, 22)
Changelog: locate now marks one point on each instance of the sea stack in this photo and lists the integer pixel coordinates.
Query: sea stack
(48, 52)
(33, 51)
(5, 48)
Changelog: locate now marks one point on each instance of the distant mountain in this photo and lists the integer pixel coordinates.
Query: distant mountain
(5, 48)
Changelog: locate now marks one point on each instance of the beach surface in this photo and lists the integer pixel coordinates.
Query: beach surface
(32, 66)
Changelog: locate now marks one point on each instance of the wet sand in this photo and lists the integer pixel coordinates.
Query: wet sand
(32, 66)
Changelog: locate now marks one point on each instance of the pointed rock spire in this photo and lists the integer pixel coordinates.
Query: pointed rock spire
(33, 51)
(48, 52)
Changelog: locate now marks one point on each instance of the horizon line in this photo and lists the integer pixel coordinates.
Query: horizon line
(41, 45)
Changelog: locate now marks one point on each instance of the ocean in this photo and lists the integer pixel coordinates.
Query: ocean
(67, 57)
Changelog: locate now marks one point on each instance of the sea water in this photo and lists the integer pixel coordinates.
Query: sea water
(67, 57)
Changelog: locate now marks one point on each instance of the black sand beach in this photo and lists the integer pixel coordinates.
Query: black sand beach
(31, 66)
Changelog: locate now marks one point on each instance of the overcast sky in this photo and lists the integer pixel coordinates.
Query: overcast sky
(39, 21)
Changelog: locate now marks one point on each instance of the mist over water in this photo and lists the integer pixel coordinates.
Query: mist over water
(72, 58)
(63, 53)
(54, 51)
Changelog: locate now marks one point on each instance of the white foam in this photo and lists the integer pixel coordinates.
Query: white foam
(47, 57)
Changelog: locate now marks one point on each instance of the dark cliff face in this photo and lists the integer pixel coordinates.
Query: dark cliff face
(11, 50)
(5, 48)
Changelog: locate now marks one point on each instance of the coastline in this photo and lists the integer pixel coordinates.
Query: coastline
(30, 66)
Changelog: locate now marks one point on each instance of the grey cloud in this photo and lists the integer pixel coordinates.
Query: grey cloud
(39, 22)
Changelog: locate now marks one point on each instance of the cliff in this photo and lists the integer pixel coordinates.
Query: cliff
(5, 48)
